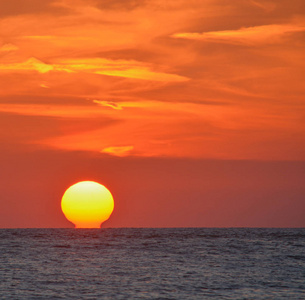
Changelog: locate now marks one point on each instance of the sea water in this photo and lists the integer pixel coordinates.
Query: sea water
(126, 263)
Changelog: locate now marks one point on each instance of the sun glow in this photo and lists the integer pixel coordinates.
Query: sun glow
(87, 204)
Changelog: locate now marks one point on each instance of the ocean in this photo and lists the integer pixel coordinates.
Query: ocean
(152, 263)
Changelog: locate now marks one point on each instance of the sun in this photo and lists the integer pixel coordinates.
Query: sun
(87, 204)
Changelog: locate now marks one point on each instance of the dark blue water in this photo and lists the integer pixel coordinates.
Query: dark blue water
(190, 263)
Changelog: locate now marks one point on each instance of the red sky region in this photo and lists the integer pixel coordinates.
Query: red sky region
(190, 112)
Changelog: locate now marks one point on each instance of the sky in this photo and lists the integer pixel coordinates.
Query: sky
(190, 112)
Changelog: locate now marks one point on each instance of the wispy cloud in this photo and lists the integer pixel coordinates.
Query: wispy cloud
(120, 68)
(248, 35)
(108, 104)
(29, 65)
(8, 48)
(31, 7)
(43, 85)
(118, 150)
(265, 5)
(63, 111)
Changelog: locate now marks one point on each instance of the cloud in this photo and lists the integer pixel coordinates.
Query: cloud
(120, 4)
(118, 150)
(8, 48)
(130, 5)
(119, 68)
(17, 7)
(267, 6)
(143, 73)
(30, 64)
(248, 35)
(43, 85)
(165, 96)
(49, 110)
(108, 104)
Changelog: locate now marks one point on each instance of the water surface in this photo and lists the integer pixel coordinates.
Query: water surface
(125, 263)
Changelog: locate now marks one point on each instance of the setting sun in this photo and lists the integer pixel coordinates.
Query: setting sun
(87, 204)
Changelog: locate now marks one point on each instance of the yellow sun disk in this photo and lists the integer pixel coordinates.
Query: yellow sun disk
(87, 204)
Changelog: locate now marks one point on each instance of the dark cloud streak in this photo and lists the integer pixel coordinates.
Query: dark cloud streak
(33, 7)
(120, 4)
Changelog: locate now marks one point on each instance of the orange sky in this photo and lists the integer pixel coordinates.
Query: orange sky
(154, 87)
